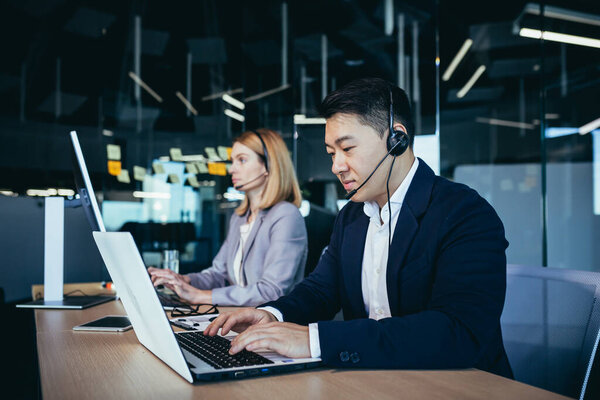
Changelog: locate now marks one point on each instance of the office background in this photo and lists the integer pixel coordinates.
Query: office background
(513, 116)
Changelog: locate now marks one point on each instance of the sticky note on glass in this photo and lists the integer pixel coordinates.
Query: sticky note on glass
(217, 168)
(139, 173)
(224, 152)
(158, 168)
(190, 168)
(173, 178)
(175, 154)
(202, 168)
(192, 181)
(212, 154)
(114, 167)
(123, 177)
(113, 152)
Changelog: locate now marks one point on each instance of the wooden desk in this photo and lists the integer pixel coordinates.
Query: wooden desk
(76, 364)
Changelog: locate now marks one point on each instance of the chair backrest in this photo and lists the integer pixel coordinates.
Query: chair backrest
(319, 226)
(550, 325)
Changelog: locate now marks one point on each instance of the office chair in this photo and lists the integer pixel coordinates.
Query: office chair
(550, 325)
(319, 226)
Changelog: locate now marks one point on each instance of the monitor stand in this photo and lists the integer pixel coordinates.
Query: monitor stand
(68, 303)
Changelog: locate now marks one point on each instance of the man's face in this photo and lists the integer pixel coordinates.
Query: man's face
(355, 150)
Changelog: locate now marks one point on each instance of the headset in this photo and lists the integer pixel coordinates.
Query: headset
(264, 157)
(398, 140)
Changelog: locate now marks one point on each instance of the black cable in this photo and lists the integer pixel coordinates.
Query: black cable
(387, 187)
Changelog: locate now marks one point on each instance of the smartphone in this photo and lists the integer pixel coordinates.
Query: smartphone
(109, 323)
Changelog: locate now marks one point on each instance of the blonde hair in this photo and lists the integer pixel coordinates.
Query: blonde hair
(282, 184)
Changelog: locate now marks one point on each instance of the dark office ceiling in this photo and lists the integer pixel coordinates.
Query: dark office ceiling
(236, 44)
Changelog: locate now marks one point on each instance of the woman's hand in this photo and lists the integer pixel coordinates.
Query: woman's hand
(180, 284)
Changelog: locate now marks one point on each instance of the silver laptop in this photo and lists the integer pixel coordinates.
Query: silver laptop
(191, 354)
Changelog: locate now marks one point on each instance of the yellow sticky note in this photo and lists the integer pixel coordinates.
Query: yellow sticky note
(191, 168)
(173, 178)
(114, 167)
(217, 168)
(224, 152)
(158, 168)
(175, 154)
(124, 176)
(113, 152)
(139, 173)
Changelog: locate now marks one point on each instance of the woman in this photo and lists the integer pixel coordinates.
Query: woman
(265, 250)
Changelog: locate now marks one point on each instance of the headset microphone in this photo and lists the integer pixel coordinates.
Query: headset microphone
(353, 191)
(238, 187)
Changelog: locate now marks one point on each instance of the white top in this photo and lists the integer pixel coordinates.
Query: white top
(375, 256)
(237, 261)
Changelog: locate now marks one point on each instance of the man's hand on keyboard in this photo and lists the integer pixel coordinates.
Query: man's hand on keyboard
(238, 321)
(291, 340)
(260, 331)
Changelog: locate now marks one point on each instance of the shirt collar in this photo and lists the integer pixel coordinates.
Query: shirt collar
(371, 208)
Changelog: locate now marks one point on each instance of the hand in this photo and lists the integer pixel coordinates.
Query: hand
(287, 339)
(180, 285)
(239, 321)
(158, 271)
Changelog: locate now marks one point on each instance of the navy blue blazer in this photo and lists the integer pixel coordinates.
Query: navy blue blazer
(446, 282)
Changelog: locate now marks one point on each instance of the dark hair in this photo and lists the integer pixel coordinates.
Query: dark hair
(369, 100)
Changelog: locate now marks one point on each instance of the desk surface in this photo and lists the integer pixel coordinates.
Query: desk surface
(76, 364)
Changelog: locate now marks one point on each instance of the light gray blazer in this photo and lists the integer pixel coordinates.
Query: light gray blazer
(273, 259)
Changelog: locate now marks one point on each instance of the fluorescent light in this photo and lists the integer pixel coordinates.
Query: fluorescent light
(554, 132)
(503, 122)
(8, 193)
(559, 37)
(151, 195)
(66, 192)
(590, 126)
(219, 94)
(267, 93)
(106, 132)
(457, 59)
(234, 115)
(562, 13)
(147, 88)
(186, 102)
(233, 101)
(300, 119)
(50, 192)
(462, 92)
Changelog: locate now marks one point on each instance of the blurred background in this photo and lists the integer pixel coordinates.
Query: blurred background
(505, 95)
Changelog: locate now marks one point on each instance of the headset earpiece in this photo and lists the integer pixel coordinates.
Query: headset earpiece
(398, 140)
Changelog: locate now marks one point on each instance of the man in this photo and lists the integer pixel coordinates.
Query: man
(429, 298)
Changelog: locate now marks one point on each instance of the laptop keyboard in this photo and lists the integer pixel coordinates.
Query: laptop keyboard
(214, 350)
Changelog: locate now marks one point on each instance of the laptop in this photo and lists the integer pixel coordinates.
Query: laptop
(191, 354)
(94, 217)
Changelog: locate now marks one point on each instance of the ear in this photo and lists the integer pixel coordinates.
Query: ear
(399, 127)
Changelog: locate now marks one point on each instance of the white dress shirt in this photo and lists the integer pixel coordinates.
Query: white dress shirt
(375, 257)
(237, 261)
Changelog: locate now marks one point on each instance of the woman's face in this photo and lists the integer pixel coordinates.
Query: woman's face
(247, 170)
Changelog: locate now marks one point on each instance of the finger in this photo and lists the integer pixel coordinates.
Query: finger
(216, 324)
(231, 322)
(252, 340)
